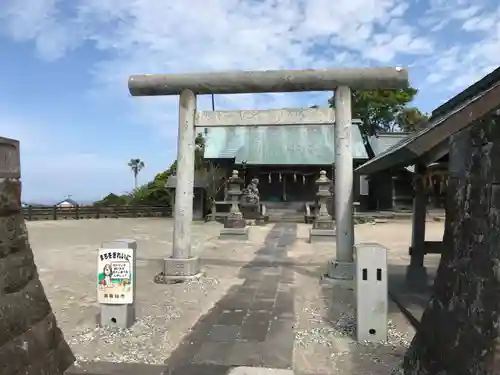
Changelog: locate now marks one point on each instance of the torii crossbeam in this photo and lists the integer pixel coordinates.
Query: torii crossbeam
(181, 265)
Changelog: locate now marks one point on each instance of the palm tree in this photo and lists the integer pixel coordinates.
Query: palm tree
(136, 165)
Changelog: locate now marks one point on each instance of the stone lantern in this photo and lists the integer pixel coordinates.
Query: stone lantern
(234, 225)
(323, 226)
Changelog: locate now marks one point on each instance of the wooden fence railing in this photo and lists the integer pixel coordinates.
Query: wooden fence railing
(32, 213)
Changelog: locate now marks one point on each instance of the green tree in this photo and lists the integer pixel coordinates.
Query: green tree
(212, 177)
(155, 192)
(380, 109)
(199, 151)
(112, 200)
(157, 188)
(411, 119)
(136, 165)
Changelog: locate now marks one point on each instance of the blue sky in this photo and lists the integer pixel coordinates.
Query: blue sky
(65, 66)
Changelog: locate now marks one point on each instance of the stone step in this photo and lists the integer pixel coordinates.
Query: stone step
(286, 218)
(283, 210)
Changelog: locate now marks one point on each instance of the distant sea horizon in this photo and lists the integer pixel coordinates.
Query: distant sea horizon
(52, 202)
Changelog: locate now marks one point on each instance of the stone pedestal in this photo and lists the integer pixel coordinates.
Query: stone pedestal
(250, 211)
(234, 225)
(340, 270)
(234, 221)
(177, 270)
(323, 227)
(234, 228)
(234, 234)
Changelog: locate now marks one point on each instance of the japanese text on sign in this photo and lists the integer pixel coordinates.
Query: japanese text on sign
(120, 270)
(115, 276)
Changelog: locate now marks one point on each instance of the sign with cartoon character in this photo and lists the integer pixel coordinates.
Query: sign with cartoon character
(114, 276)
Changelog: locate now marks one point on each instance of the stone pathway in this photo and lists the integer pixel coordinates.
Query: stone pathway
(259, 310)
(253, 324)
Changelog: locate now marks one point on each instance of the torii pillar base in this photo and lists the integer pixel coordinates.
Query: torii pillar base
(179, 270)
(339, 273)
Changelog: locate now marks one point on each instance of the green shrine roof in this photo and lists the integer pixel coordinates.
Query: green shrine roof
(278, 145)
(384, 141)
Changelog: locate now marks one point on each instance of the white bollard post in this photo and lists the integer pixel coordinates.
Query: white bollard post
(371, 292)
(116, 279)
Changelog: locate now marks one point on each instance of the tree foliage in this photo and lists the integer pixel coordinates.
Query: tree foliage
(411, 119)
(113, 200)
(136, 165)
(385, 110)
(212, 177)
(154, 192)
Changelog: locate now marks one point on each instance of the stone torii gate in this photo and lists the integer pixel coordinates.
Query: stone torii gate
(182, 265)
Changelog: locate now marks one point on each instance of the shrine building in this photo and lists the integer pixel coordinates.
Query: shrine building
(287, 161)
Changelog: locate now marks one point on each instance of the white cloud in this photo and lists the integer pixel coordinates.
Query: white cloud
(157, 36)
(447, 43)
(42, 22)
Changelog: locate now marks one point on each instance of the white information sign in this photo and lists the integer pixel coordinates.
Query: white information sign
(114, 276)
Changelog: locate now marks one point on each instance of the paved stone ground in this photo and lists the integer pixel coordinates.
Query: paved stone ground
(260, 303)
(252, 325)
(66, 255)
(325, 324)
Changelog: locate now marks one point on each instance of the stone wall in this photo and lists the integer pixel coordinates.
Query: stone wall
(30, 341)
(459, 329)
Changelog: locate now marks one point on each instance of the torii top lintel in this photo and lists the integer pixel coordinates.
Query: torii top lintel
(241, 82)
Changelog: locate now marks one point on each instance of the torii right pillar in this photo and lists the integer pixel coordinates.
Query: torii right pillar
(342, 267)
(182, 265)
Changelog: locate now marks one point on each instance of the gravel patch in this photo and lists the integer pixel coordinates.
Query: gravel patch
(345, 327)
(66, 254)
(152, 338)
(325, 334)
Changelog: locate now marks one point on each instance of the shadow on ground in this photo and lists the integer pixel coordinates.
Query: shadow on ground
(414, 300)
(252, 325)
(300, 268)
(355, 358)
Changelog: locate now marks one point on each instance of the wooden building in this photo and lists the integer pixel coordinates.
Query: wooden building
(428, 151)
(285, 159)
(67, 203)
(389, 189)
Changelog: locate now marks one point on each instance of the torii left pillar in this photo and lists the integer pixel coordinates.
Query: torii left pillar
(182, 264)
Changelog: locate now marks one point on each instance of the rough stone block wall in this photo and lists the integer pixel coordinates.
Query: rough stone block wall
(30, 341)
(459, 328)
